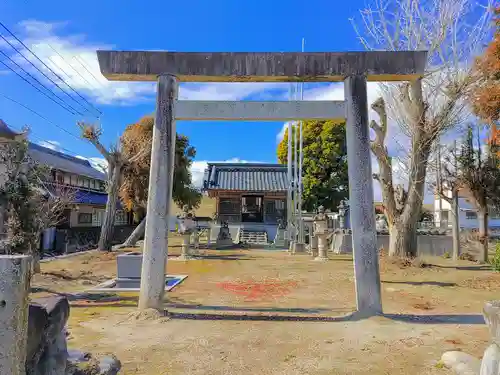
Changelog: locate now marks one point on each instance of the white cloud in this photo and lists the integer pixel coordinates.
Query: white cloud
(53, 145)
(198, 168)
(98, 163)
(74, 59)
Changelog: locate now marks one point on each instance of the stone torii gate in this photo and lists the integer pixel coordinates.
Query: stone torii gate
(352, 68)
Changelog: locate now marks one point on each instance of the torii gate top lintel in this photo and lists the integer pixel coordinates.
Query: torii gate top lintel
(262, 66)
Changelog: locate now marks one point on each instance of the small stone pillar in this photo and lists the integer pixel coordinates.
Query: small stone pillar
(14, 289)
(313, 246)
(186, 228)
(161, 174)
(321, 233)
(209, 236)
(196, 238)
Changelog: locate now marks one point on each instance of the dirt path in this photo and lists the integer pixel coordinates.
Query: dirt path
(231, 316)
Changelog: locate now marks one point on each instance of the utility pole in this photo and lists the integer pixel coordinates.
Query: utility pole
(439, 184)
(454, 208)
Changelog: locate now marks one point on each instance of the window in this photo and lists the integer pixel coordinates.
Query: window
(470, 215)
(494, 213)
(67, 179)
(444, 216)
(84, 218)
(97, 218)
(120, 217)
(60, 178)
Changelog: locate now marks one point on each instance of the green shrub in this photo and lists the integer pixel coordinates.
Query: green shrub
(495, 261)
(447, 255)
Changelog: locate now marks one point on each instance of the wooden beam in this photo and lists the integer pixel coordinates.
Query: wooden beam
(262, 66)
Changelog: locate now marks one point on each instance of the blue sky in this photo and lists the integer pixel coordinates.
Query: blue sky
(66, 34)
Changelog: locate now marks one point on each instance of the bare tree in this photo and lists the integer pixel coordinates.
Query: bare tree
(479, 177)
(452, 31)
(32, 203)
(116, 164)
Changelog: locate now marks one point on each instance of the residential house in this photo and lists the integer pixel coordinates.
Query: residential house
(86, 183)
(467, 213)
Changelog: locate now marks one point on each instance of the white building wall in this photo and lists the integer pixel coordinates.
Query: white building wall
(467, 219)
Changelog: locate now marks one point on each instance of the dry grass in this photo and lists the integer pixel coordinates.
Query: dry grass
(266, 312)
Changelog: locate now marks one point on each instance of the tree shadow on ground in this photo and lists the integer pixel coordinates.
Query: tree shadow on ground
(224, 257)
(485, 267)
(430, 283)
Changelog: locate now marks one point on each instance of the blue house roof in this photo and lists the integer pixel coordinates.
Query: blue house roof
(90, 197)
(246, 177)
(64, 162)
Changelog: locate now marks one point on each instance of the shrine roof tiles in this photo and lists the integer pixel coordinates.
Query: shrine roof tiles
(246, 177)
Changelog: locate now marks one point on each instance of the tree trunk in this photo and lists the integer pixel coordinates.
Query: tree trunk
(35, 263)
(482, 216)
(403, 239)
(455, 224)
(108, 222)
(134, 236)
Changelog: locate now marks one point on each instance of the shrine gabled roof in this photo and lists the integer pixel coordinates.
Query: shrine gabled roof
(246, 177)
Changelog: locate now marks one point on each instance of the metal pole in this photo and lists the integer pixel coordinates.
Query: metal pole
(301, 157)
(290, 183)
(296, 178)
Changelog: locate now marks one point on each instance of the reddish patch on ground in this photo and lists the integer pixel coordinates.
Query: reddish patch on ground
(259, 290)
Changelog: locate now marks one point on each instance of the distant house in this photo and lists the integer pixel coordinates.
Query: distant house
(467, 214)
(86, 183)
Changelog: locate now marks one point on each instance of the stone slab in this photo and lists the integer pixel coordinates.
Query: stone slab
(259, 111)
(261, 66)
(129, 266)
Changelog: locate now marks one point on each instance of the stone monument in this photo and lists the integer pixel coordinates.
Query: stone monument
(343, 208)
(321, 233)
(224, 237)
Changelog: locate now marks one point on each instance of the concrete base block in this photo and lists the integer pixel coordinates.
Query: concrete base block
(321, 259)
(300, 247)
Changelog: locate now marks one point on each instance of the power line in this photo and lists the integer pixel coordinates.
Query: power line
(40, 83)
(57, 75)
(41, 116)
(40, 91)
(34, 135)
(71, 66)
(82, 63)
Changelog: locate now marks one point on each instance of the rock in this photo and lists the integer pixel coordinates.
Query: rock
(85, 282)
(46, 321)
(461, 363)
(75, 356)
(109, 365)
(105, 366)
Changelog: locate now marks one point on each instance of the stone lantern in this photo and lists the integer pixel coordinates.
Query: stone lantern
(185, 228)
(321, 232)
